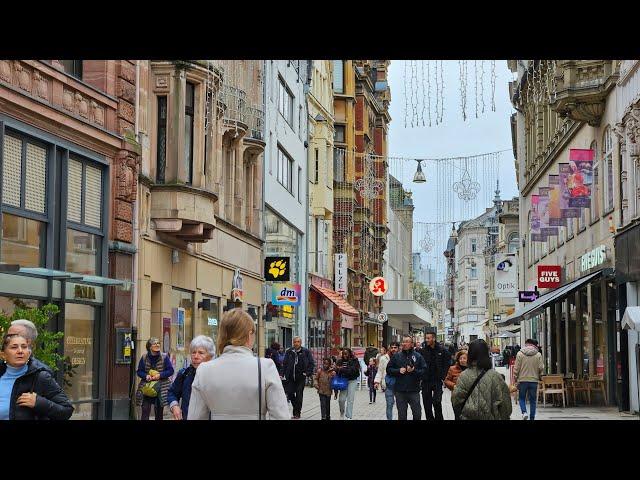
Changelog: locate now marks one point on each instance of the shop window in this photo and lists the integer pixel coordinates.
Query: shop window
(23, 241)
(79, 336)
(181, 327)
(209, 320)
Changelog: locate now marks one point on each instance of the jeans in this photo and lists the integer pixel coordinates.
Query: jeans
(388, 396)
(372, 393)
(432, 397)
(405, 399)
(325, 406)
(146, 408)
(296, 392)
(349, 396)
(530, 389)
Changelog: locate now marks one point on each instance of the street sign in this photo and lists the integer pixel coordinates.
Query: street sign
(382, 317)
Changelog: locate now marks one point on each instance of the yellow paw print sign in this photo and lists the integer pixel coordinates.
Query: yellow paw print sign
(276, 268)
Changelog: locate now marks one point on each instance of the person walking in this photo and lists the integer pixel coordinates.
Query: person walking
(456, 370)
(506, 357)
(385, 381)
(273, 352)
(236, 385)
(372, 371)
(480, 393)
(370, 352)
(322, 383)
(202, 350)
(407, 367)
(527, 372)
(438, 362)
(298, 365)
(154, 366)
(348, 367)
(28, 391)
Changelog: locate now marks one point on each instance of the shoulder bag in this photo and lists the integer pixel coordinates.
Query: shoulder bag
(259, 389)
(458, 410)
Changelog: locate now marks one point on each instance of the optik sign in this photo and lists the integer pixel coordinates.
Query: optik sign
(506, 276)
(549, 276)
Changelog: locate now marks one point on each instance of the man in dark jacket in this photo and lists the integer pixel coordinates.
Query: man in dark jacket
(298, 365)
(407, 367)
(438, 361)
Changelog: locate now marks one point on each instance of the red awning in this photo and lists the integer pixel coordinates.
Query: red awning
(337, 299)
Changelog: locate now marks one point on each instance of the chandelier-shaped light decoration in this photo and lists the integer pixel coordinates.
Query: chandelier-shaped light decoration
(467, 189)
(426, 244)
(369, 186)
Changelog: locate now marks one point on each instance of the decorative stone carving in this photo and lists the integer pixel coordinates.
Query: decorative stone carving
(126, 176)
(42, 88)
(83, 106)
(5, 71)
(162, 82)
(98, 113)
(67, 100)
(24, 79)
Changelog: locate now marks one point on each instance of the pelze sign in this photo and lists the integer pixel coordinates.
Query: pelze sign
(549, 276)
(506, 277)
(340, 270)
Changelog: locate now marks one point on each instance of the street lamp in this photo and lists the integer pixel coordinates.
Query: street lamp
(419, 176)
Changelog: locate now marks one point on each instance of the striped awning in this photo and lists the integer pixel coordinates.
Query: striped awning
(337, 299)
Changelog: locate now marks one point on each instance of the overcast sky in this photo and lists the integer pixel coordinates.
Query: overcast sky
(454, 137)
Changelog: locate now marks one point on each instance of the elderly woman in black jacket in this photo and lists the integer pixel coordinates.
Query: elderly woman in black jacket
(348, 367)
(27, 390)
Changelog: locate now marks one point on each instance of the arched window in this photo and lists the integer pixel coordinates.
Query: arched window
(595, 188)
(607, 165)
(512, 242)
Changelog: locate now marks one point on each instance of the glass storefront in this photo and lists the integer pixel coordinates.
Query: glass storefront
(209, 320)
(181, 328)
(79, 336)
(584, 332)
(23, 241)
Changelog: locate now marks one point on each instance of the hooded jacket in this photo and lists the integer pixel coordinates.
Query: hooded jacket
(406, 382)
(51, 401)
(529, 366)
(489, 400)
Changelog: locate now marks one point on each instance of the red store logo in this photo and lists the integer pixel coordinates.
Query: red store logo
(549, 276)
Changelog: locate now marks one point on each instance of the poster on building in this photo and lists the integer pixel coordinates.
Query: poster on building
(536, 234)
(340, 280)
(506, 275)
(543, 207)
(166, 335)
(565, 209)
(580, 177)
(178, 320)
(555, 214)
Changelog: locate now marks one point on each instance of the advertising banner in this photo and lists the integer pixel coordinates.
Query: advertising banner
(580, 177)
(555, 214)
(506, 275)
(543, 207)
(536, 234)
(565, 209)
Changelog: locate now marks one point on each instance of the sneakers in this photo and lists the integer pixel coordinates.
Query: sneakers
(370, 403)
(525, 416)
(341, 416)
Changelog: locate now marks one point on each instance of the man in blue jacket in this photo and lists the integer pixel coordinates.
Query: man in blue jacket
(407, 366)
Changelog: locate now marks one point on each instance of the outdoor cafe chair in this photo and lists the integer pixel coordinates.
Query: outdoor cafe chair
(553, 384)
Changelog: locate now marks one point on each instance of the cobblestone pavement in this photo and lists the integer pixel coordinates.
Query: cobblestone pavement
(377, 411)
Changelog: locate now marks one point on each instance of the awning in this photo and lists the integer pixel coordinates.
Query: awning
(505, 335)
(631, 319)
(337, 299)
(545, 300)
(61, 275)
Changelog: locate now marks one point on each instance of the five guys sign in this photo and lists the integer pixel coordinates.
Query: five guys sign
(549, 276)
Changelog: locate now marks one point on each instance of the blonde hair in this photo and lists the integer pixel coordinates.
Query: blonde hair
(234, 329)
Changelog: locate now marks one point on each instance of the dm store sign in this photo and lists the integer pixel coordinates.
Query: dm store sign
(286, 294)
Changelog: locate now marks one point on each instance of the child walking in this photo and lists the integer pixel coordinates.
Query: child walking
(372, 370)
(322, 382)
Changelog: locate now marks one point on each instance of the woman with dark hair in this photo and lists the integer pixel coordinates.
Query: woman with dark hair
(348, 367)
(481, 393)
(154, 366)
(274, 354)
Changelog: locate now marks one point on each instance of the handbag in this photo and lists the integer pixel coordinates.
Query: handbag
(457, 411)
(339, 383)
(259, 389)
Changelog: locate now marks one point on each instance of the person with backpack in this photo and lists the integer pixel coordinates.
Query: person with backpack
(348, 368)
(480, 393)
(322, 383)
(407, 367)
(385, 381)
(202, 350)
(154, 366)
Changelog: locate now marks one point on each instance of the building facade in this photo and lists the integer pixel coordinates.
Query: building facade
(200, 224)
(286, 185)
(576, 323)
(69, 160)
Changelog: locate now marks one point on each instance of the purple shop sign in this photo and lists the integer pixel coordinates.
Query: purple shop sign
(527, 295)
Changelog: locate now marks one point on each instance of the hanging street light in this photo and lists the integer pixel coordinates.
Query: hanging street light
(419, 176)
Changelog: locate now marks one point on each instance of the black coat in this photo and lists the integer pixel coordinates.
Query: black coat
(406, 382)
(51, 401)
(349, 369)
(308, 365)
(439, 356)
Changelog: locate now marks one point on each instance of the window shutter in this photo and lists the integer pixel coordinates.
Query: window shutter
(36, 178)
(74, 191)
(92, 196)
(12, 171)
(338, 76)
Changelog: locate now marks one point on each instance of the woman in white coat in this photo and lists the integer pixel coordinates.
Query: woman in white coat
(226, 388)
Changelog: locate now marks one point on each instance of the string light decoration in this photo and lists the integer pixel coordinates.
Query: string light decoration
(369, 186)
(475, 79)
(493, 85)
(441, 92)
(426, 244)
(466, 188)
(437, 94)
(462, 65)
(429, 91)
